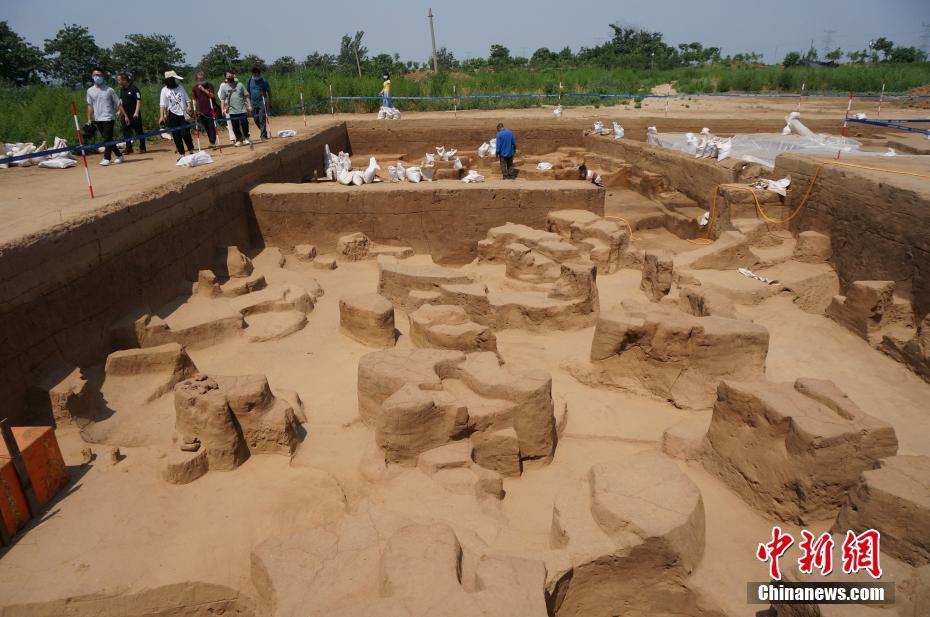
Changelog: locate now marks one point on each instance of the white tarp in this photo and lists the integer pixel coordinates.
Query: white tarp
(761, 148)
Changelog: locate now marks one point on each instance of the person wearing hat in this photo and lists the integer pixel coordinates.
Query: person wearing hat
(102, 106)
(175, 107)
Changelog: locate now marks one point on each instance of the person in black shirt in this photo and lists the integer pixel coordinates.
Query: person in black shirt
(132, 111)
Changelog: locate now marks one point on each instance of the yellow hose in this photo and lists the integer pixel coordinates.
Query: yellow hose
(713, 203)
(622, 220)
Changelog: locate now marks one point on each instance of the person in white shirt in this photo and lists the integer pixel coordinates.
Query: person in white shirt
(175, 110)
(102, 106)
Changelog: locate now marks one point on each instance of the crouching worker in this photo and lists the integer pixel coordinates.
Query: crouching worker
(590, 176)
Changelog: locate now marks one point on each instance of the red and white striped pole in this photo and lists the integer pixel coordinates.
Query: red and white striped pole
(846, 121)
(801, 95)
(880, 99)
(332, 106)
(303, 109)
(80, 138)
(455, 104)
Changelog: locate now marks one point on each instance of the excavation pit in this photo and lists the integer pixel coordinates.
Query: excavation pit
(336, 399)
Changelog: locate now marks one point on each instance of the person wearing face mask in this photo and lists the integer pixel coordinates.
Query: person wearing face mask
(234, 99)
(203, 95)
(260, 91)
(102, 106)
(174, 106)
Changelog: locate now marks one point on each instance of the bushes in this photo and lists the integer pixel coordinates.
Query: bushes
(34, 113)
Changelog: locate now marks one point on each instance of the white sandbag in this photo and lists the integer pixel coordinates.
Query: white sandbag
(458, 163)
(344, 161)
(493, 143)
(369, 175)
(544, 166)
(22, 150)
(58, 145)
(344, 176)
(557, 112)
(618, 131)
(427, 172)
(473, 176)
(358, 178)
(445, 155)
(328, 163)
(598, 127)
(58, 163)
(382, 113)
(287, 133)
(393, 114)
(430, 158)
(483, 150)
(414, 174)
(195, 159)
(652, 136)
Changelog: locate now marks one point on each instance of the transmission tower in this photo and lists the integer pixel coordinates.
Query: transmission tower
(925, 39)
(828, 41)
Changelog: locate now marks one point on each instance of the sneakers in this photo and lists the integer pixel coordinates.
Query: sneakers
(104, 162)
(237, 143)
(247, 142)
(118, 160)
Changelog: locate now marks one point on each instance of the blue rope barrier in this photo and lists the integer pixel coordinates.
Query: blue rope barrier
(890, 125)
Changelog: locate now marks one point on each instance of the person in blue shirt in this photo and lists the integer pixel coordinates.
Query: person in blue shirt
(260, 93)
(506, 149)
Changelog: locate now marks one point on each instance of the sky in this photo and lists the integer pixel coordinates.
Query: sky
(274, 28)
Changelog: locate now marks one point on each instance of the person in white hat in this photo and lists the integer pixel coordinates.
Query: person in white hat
(175, 110)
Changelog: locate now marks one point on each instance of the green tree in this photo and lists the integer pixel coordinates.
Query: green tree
(20, 62)
(566, 57)
(324, 63)
(499, 58)
(146, 56)
(792, 58)
(72, 55)
(284, 64)
(445, 60)
(835, 55)
(907, 54)
(352, 54)
(885, 46)
(221, 58)
(251, 61)
(542, 57)
(857, 57)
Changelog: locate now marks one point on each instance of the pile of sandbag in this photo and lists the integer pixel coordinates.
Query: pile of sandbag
(445, 155)
(58, 160)
(388, 113)
(398, 173)
(618, 131)
(356, 177)
(335, 164)
(557, 112)
(473, 176)
(488, 148)
(600, 129)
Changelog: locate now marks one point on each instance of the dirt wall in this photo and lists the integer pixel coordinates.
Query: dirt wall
(445, 219)
(696, 178)
(62, 289)
(878, 223)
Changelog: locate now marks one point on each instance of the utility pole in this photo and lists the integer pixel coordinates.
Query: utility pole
(925, 38)
(432, 36)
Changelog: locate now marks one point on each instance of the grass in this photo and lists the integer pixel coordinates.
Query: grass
(36, 113)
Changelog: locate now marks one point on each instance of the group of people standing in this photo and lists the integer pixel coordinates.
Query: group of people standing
(205, 107)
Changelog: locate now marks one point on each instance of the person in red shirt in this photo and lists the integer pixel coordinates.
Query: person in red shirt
(203, 95)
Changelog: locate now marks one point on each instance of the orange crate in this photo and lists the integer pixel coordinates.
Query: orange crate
(14, 509)
(44, 463)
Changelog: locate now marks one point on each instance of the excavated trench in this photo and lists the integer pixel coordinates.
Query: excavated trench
(139, 299)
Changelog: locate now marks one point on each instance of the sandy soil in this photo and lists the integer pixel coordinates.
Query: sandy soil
(137, 533)
(120, 529)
